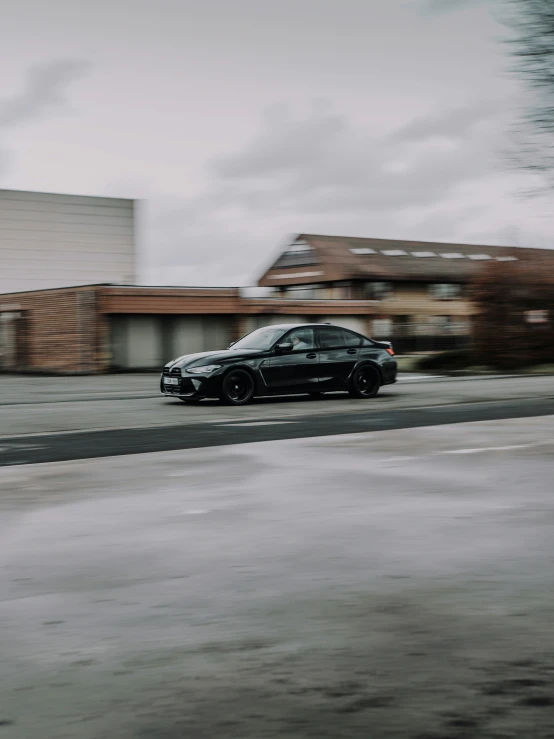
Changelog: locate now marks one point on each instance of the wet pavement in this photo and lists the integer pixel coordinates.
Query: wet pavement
(393, 584)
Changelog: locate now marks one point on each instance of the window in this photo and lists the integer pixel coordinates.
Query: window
(260, 339)
(297, 254)
(379, 290)
(302, 338)
(351, 339)
(332, 337)
(342, 291)
(394, 252)
(303, 292)
(423, 254)
(443, 324)
(363, 251)
(445, 291)
(382, 328)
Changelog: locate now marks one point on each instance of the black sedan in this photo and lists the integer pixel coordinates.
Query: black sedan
(283, 360)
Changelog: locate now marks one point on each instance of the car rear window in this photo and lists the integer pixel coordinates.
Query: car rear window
(337, 337)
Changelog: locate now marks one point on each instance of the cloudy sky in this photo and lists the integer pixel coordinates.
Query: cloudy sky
(238, 122)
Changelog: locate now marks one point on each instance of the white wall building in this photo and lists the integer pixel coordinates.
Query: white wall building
(49, 240)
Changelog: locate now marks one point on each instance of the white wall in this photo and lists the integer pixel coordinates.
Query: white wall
(49, 240)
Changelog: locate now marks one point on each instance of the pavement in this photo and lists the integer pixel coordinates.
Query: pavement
(290, 569)
(395, 585)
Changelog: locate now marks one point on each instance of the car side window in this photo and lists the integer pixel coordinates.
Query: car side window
(331, 338)
(303, 339)
(351, 339)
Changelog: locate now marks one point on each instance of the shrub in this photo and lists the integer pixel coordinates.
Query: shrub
(504, 293)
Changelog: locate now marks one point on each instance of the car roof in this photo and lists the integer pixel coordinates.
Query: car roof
(296, 325)
(289, 326)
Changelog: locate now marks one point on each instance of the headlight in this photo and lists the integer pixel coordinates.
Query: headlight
(202, 370)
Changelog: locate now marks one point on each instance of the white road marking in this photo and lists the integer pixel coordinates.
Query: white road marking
(478, 450)
(238, 424)
(398, 459)
(19, 447)
(195, 512)
(408, 376)
(475, 450)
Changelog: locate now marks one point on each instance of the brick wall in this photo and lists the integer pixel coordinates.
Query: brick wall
(57, 331)
(68, 330)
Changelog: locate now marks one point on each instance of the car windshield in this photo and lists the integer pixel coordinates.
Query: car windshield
(263, 338)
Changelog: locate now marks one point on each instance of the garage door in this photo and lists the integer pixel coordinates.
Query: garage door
(190, 334)
(136, 342)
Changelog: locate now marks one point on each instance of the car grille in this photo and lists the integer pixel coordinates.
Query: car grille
(185, 386)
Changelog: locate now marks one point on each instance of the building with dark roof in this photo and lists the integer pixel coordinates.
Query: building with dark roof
(413, 289)
(314, 260)
(413, 293)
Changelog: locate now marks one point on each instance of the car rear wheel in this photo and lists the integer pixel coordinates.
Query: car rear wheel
(365, 382)
(237, 388)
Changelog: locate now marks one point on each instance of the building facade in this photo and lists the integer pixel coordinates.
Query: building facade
(412, 293)
(415, 293)
(49, 240)
(101, 328)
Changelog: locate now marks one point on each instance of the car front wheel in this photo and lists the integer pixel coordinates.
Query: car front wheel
(365, 382)
(237, 388)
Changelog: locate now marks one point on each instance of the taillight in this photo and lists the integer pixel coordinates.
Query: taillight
(390, 351)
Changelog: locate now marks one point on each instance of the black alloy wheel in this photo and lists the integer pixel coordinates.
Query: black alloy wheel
(237, 388)
(365, 382)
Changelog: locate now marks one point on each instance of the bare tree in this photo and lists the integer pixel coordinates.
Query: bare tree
(514, 325)
(532, 50)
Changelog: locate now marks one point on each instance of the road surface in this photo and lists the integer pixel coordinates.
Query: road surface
(56, 419)
(392, 585)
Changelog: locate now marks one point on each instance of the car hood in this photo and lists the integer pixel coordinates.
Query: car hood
(210, 357)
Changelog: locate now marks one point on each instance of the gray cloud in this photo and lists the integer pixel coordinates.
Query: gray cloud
(320, 172)
(43, 92)
(284, 143)
(454, 122)
(442, 6)
(322, 162)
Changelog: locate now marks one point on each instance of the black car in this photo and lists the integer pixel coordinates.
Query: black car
(283, 360)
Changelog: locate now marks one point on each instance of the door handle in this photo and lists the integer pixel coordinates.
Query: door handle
(311, 356)
(352, 351)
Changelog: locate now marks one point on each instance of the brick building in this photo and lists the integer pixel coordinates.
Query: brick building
(411, 292)
(101, 328)
(415, 292)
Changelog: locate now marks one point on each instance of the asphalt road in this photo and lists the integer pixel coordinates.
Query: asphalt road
(392, 585)
(56, 419)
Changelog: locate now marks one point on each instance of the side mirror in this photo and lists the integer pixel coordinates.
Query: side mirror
(284, 348)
